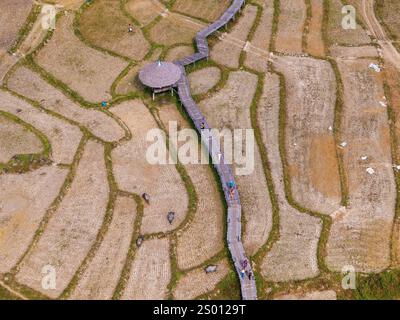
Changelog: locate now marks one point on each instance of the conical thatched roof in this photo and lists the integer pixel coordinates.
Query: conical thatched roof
(160, 74)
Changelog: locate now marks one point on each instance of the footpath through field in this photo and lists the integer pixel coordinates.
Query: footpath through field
(389, 51)
(241, 262)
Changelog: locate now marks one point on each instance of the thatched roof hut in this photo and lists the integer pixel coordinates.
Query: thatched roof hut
(160, 75)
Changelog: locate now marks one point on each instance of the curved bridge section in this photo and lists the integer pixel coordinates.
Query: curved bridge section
(242, 264)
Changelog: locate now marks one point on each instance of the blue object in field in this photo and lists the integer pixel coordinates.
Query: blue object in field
(231, 184)
(104, 104)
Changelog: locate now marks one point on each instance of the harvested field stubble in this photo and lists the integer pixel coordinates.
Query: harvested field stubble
(64, 137)
(150, 273)
(73, 228)
(314, 295)
(209, 10)
(134, 173)
(87, 71)
(310, 145)
(175, 29)
(343, 52)
(290, 27)
(13, 15)
(24, 199)
(230, 109)
(198, 282)
(179, 52)
(68, 4)
(227, 52)
(337, 34)
(144, 11)
(361, 234)
(256, 56)
(203, 238)
(387, 11)
(16, 139)
(315, 45)
(31, 85)
(130, 83)
(294, 255)
(104, 24)
(101, 277)
(203, 80)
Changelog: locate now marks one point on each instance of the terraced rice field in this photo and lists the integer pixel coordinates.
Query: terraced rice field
(320, 195)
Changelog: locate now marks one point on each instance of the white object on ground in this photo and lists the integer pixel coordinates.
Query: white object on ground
(364, 158)
(370, 170)
(343, 144)
(246, 46)
(375, 67)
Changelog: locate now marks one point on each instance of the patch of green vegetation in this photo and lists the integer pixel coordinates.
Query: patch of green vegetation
(7, 295)
(275, 23)
(382, 286)
(227, 289)
(306, 27)
(25, 291)
(395, 257)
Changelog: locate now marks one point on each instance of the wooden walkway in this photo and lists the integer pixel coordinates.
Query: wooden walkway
(248, 286)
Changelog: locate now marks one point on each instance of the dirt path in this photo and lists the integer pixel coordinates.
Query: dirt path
(389, 51)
